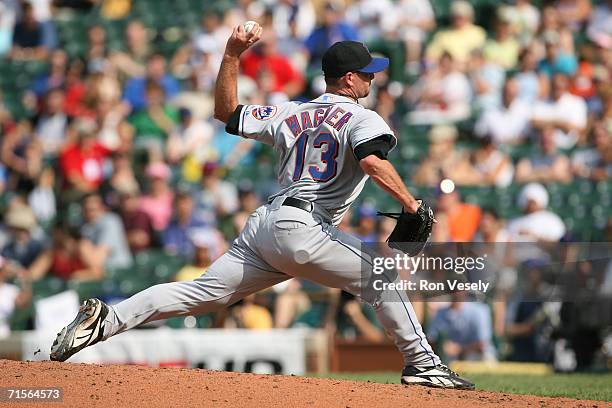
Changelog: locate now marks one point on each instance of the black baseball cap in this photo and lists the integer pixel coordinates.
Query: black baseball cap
(351, 56)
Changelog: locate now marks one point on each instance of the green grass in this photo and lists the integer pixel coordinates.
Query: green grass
(579, 386)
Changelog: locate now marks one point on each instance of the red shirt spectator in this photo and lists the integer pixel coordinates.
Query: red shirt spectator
(272, 71)
(81, 162)
(64, 264)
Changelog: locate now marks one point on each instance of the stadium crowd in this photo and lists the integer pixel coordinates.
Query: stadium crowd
(114, 176)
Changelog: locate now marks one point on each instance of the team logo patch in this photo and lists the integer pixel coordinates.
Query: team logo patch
(264, 112)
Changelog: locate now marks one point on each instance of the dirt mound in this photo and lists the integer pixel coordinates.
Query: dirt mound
(117, 386)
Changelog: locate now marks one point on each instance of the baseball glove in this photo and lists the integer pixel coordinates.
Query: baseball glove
(412, 231)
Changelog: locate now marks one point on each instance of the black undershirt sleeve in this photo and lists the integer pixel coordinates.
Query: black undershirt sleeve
(234, 122)
(379, 146)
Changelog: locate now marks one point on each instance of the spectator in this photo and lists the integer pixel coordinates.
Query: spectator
(366, 223)
(121, 179)
(565, 112)
(156, 122)
(573, 13)
(331, 30)
(82, 161)
(503, 49)
(68, 258)
(487, 79)
(247, 203)
(191, 144)
(52, 123)
(249, 314)
(176, 237)
(293, 15)
(556, 60)
(137, 224)
(105, 242)
(444, 160)
(22, 154)
(492, 167)
(291, 302)
(532, 85)
(552, 28)
(442, 95)
(526, 19)
(594, 162)
(55, 78)
(204, 249)
(491, 228)
(212, 27)
(12, 296)
(458, 221)
(526, 320)
(158, 202)
(374, 18)
(272, 71)
(28, 37)
(135, 88)
(537, 224)
(131, 63)
(506, 124)
(357, 320)
(461, 39)
(22, 248)
(416, 20)
(463, 330)
(8, 15)
(218, 197)
(599, 29)
(42, 199)
(547, 164)
(97, 50)
(43, 13)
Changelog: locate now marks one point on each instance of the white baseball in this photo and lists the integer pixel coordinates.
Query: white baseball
(248, 26)
(447, 186)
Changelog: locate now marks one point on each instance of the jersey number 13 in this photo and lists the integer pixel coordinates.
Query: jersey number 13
(328, 146)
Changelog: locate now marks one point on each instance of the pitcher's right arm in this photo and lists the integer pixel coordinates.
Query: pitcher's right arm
(226, 89)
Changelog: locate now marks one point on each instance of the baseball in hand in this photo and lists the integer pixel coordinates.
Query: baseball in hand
(248, 26)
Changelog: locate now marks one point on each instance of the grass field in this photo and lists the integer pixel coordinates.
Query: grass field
(580, 386)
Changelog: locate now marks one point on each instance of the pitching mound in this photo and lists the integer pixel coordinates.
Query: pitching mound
(118, 386)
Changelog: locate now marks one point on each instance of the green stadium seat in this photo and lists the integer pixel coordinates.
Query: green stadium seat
(89, 289)
(47, 286)
(22, 318)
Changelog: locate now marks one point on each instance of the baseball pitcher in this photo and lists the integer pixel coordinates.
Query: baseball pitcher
(327, 149)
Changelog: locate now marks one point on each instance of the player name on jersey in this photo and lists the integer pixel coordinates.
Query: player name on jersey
(334, 116)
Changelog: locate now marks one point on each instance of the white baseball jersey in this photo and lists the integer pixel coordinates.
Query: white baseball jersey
(315, 141)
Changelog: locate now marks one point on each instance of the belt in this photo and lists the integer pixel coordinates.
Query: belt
(298, 203)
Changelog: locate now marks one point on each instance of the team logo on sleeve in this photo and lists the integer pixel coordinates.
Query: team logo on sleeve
(264, 112)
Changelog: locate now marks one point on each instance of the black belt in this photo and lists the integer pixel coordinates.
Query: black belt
(298, 203)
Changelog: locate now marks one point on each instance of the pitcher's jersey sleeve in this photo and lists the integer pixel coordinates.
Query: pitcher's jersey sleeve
(261, 122)
(369, 126)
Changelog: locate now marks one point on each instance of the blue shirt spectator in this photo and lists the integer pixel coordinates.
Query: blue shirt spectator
(330, 32)
(176, 238)
(134, 91)
(464, 328)
(563, 64)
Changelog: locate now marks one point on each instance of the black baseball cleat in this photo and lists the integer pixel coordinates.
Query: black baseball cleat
(439, 376)
(85, 330)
